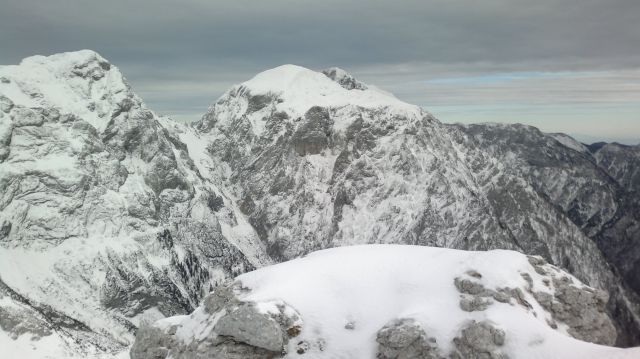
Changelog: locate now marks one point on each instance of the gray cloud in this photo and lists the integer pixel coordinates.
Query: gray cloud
(181, 55)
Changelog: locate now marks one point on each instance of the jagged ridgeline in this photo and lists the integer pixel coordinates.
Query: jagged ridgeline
(112, 216)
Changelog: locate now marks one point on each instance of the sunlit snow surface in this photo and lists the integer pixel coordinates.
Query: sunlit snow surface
(373, 284)
(301, 88)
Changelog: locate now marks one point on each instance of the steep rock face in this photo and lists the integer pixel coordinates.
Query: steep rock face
(618, 238)
(622, 163)
(331, 166)
(105, 219)
(385, 301)
(588, 192)
(227, 328)
(316, 163)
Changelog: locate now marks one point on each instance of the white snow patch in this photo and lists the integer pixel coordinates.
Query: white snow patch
(301, 88)
(48, 347)
(371, 285)
(569, 142)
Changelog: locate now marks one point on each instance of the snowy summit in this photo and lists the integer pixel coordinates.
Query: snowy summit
(299, 88)
(392, 301)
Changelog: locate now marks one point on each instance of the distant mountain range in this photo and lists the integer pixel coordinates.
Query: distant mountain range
(112, 216)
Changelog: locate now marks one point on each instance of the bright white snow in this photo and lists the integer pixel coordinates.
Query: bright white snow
(569, 142)
(373, 284)
(46, 81)
(301, 88)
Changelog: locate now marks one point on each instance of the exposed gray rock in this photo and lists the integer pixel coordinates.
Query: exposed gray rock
(313, 134)
(258, 102)
(102, 176)
(475, 297)
(245, 324)
(237, 329)
(5, 104)
(23, 117)
(469, 286)
(345, 79)
(154, 343)
(151, 343)
(223, 296)
(405, 339)
(302, 347)
(592, 187)
(474, 303)
(582, 309)
(479, 340)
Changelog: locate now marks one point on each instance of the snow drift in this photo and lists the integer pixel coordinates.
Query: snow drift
(393, 301)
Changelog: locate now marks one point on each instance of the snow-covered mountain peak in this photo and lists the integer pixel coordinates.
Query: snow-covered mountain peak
(82, 83)
(299, 88)
(66, 59)
(290, 91)
(280, 79)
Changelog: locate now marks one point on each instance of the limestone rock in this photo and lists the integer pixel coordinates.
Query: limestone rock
(235, 329)
(313, 135)
(405, 339)
(474, 303)
(582, 309)
(247, 325)
(480, 340)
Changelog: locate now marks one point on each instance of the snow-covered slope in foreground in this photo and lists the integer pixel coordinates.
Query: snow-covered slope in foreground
(393, 301)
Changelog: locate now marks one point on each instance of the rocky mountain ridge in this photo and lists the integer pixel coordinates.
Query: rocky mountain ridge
(130, 217)
(106, 221)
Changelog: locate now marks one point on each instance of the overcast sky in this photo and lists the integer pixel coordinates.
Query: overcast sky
(571, 66)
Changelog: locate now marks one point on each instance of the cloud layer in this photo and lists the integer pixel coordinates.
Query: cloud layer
(563, 65)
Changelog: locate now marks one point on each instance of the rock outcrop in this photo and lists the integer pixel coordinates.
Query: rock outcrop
(383, 301)
(579, 307)
(591, 187)
(479, 340)
(226, 328)
(405, 339)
